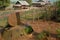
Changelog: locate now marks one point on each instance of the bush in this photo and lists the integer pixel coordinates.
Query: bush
(46, 15)
(58, 15)
(53, 15)
(28, 30)
(58, 33)
(41, 36)
(57, 11)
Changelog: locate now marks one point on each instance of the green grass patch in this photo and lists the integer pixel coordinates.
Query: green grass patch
(33, 13)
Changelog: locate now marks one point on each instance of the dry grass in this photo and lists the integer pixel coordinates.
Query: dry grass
(37, 25)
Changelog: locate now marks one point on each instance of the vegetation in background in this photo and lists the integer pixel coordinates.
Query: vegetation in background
(4, 3)
(7, 2)
(32, 14)
(57, 11)
(1, 3)
(29, 1)
(40, 0)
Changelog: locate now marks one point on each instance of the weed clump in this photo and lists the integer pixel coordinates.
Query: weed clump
(28, 30)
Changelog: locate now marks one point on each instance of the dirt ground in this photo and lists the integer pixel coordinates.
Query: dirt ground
(37, 25)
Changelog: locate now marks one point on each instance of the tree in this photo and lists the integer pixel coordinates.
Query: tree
(4, 2)
(57, 11)
(29, 1)
(40, 0)
(0, 2)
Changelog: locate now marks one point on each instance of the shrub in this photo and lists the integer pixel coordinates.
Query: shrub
(47, 33)
(46, 13)
(57, 11)
(41, 36)
(58, 33)
(58, 15)
(28, 30)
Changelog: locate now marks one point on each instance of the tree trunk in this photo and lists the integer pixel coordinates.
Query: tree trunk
(18, 18)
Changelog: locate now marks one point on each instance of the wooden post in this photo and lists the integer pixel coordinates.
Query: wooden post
(18, 18)
(33, 15)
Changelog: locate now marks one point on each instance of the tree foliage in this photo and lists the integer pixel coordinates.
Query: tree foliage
(4, 2)
(40, 0)
(29, 1)
(53, 12)
(57, 4)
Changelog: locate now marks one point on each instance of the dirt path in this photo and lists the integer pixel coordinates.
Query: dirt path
(40, 25)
